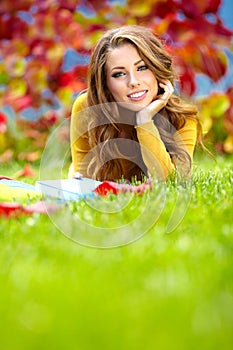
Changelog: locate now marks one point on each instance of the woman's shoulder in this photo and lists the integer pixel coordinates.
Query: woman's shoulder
(79, 119)
(190, 126)
(80, 102)
(191, 122)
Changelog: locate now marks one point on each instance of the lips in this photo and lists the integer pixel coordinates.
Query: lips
(137, 95)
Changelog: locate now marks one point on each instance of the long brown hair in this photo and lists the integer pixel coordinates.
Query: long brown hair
(171, 118)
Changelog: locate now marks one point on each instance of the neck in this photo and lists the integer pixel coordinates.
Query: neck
(126, 116)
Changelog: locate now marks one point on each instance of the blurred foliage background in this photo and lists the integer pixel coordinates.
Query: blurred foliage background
(44, 53)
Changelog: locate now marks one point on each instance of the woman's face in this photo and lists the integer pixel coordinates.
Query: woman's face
(129, 79)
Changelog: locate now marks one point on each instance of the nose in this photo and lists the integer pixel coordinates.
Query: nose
(133, 80)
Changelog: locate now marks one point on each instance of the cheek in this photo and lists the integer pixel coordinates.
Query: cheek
(111, 86)
(114, 87)
(155, 85)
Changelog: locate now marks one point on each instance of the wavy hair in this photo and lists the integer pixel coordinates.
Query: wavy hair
(171, 118)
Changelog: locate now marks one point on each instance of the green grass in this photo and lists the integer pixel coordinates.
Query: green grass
(164, 291)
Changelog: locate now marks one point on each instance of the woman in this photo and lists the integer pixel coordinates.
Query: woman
(128, 123)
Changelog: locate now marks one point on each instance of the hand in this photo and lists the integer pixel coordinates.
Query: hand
(146, 114)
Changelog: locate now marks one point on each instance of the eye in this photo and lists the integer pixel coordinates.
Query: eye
(118, 74)
(143, 67)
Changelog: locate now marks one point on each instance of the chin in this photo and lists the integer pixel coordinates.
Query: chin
(134, 107)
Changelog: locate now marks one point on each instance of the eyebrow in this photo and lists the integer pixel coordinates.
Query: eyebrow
(124, 67)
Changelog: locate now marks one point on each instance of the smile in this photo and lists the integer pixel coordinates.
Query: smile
(139, 95)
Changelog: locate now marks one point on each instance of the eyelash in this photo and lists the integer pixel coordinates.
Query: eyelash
(119, 74)
(143, 67)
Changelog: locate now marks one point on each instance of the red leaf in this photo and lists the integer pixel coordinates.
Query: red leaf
(14, 210)
(11, 27)
(160, 8)
(19, 103)
(228, 121)
(222, 31)
(29, 157)
(185, 30)
(97, 4)
(213, 65)
(7, 6)
(196, 8)
(32, 133)
(3, 122)
(42, 207)
(34, 129)
(228, 118)
(11, 209)
(178, 30)
(110, 187)
(205, 28)
(75, 79)
(6, 156)
(70, 31)
(106, 188)
(65, 79)
(213, 6)
(187, 82)
(27, 171)
(68, 4)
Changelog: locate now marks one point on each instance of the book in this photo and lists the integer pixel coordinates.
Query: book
(12, 190)
(68, 189)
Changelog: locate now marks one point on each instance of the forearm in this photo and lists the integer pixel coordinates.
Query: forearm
(154, 153)
(79, 152)
(79, 143)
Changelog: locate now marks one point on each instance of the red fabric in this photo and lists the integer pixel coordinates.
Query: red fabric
(110, 187)
(8, 209)
(11, 209)
(107, 187)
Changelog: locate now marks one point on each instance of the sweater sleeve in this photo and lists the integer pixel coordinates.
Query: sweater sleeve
(154, 153)
(78, 137)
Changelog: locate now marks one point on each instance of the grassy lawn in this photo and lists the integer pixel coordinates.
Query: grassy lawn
(172, 288)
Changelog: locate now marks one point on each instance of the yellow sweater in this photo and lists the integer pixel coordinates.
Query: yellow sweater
(154, 156)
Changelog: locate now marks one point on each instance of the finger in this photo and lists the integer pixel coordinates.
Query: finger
(166, 82)
(77, 175)
(166, 85)
(168, 89)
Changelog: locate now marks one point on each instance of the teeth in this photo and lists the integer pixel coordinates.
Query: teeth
(137, 94)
